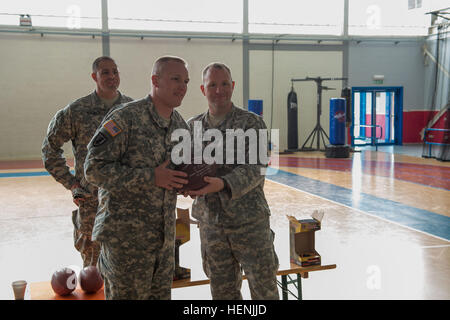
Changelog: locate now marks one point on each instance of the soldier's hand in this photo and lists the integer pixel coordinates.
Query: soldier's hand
(214, 185)
(168, 178)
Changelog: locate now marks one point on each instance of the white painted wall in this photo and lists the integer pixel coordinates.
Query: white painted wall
(41, 75)
(136, 59)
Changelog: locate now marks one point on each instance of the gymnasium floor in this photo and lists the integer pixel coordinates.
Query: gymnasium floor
(386, 224)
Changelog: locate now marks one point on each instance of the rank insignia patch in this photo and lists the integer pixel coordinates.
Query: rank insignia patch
(112, 128)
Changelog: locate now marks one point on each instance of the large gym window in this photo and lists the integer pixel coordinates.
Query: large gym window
(387, 17)
(71, 14)
(296, 17)
(176, 15)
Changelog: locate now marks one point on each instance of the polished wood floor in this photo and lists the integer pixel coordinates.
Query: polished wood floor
(386, 224)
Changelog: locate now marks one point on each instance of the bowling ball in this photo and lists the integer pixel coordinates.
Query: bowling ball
(64, 281)
(196, 173)
(90, 279)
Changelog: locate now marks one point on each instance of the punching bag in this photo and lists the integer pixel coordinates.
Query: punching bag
(346, 94)
(292, 120)
(337, 121)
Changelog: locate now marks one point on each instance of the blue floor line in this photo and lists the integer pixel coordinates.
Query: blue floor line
(23, 174)
(402, 214)
(26, 174)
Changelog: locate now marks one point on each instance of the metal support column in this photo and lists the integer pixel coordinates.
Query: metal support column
(245, 57)
(105, 29)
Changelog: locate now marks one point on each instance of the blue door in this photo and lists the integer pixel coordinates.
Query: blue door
(377, 115)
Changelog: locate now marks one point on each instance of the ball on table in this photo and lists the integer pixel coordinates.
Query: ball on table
(90, 279)
(64, 281)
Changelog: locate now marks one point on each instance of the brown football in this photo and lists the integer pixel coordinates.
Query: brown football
(196, 173)
(90, 279)
(64, 281)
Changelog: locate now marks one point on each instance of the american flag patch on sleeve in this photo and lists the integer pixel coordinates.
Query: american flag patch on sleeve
(112, 128)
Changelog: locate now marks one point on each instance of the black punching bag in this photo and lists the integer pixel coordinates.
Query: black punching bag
(292, 120)
(346, 93)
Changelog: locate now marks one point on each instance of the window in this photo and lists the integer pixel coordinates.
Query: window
(387, 17)
(72, 14)
(176, 15)
(296, 16)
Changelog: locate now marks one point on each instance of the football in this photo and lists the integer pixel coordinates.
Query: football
(90, 279)
(196, 173)
(64, 281)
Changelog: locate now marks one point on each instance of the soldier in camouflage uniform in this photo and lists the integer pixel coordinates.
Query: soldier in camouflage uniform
(77, 123)
(232, 210)
(128, 159)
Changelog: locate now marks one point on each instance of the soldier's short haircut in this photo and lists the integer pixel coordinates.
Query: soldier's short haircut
(215, 65)
(97, 61)
(161, 61)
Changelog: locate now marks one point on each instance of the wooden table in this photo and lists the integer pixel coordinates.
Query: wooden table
(299, 272)
(285, 271)
(44, 291)
(190, 257)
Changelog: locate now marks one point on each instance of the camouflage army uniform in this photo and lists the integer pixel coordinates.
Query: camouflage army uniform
(235, 222)
(77, 122)
(136, 220)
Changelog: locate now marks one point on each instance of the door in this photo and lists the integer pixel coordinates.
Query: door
(377, 115)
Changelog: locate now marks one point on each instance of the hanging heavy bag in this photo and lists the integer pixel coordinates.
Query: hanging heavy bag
(292, 109)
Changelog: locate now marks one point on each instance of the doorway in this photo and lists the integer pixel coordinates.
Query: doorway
(377, 116)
